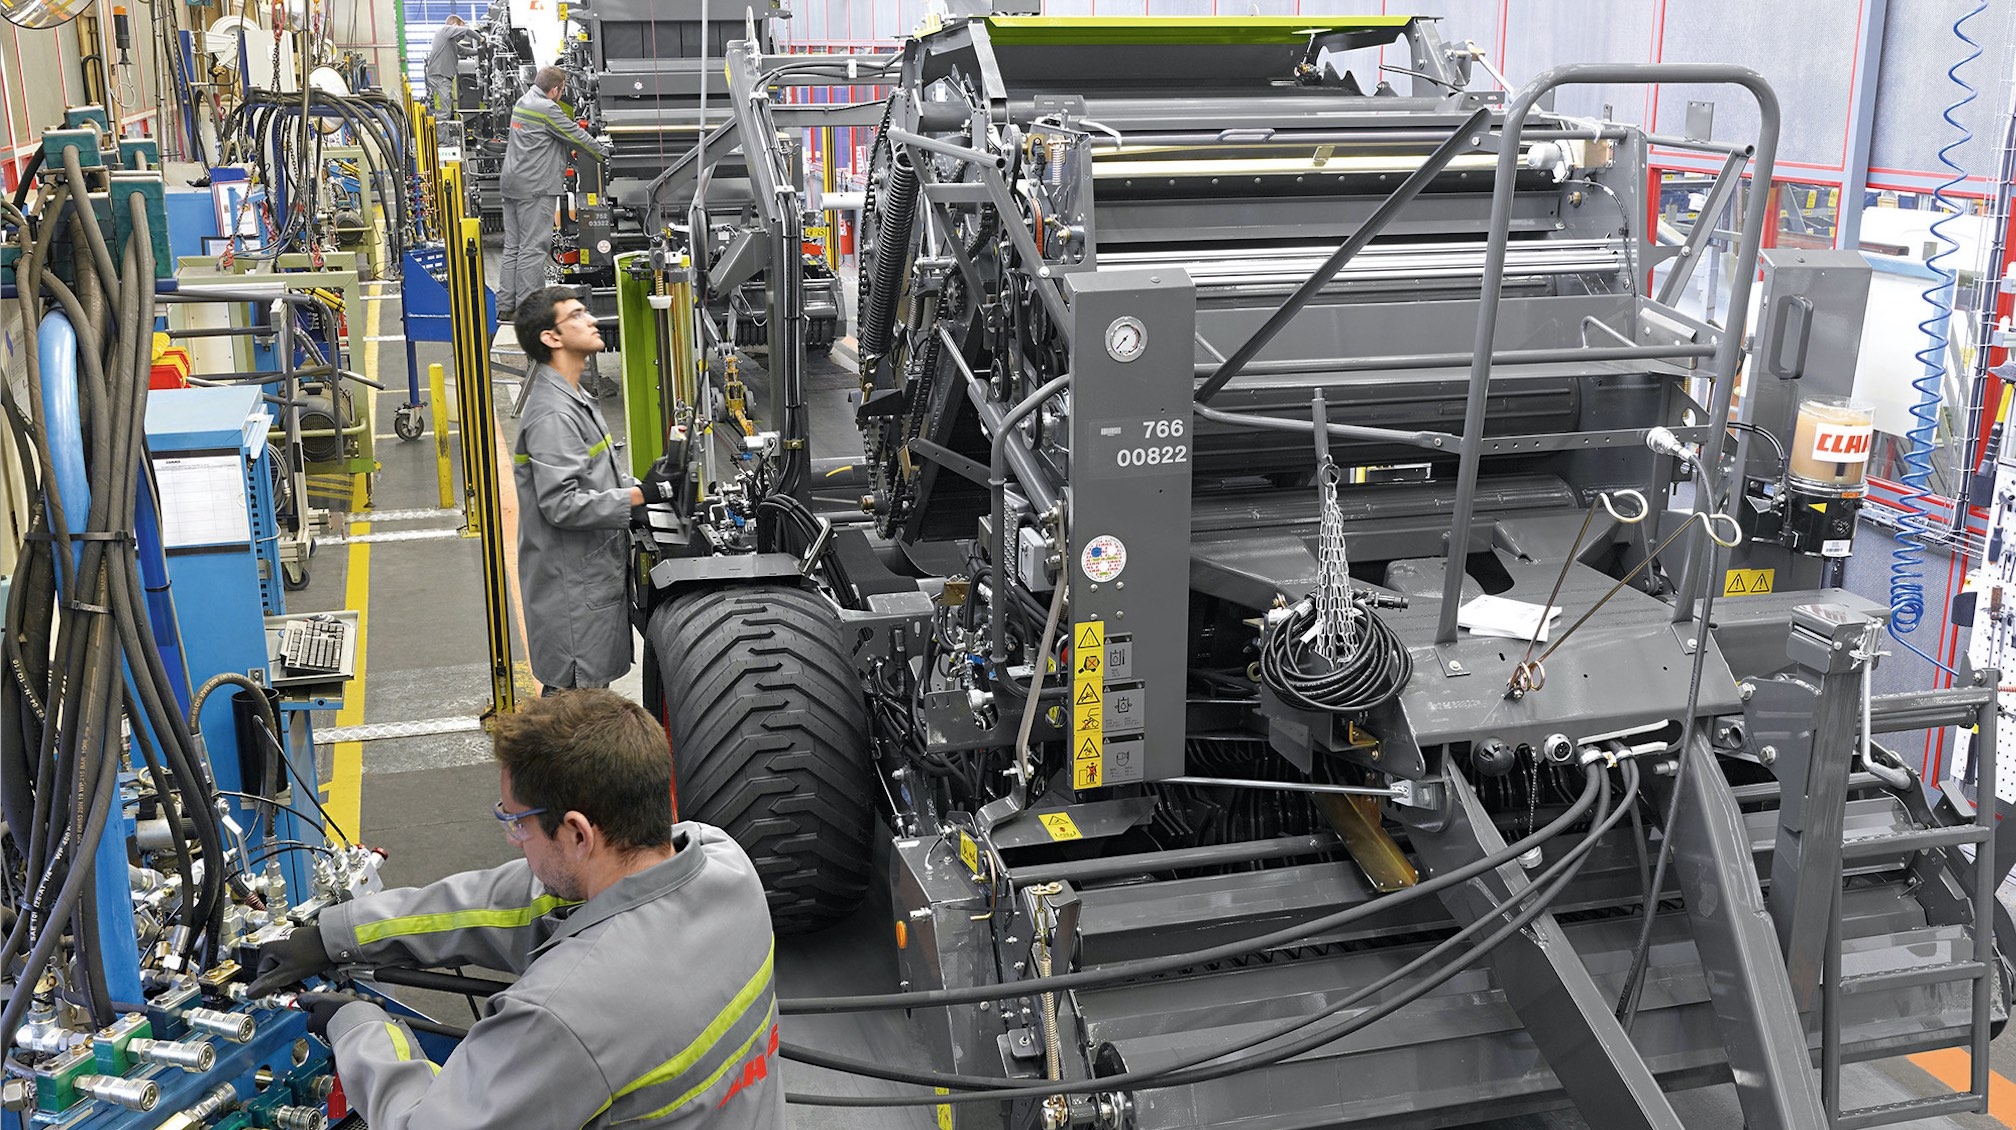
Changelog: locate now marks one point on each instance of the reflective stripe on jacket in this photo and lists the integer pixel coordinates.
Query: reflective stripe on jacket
(651, 1005)
(542, 134)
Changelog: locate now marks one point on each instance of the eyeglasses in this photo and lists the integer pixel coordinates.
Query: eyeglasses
(513, 830)
(578, 315)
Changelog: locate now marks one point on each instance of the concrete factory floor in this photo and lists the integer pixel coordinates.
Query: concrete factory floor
(426, 799)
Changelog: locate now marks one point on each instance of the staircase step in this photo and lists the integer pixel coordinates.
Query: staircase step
(1913, 975)
(1910, 1110)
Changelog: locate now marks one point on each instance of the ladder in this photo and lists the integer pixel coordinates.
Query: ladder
(1978, 968)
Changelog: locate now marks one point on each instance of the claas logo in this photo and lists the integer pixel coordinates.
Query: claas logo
(1841, 446)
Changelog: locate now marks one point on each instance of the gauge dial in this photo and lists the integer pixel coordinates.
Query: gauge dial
(1125, 339)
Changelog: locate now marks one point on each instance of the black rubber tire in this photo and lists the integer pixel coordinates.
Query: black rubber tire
(769, 738)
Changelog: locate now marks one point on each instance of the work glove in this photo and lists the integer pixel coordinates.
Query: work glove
(661, 483)
(290, 961)
(321, 1009)
(607, 149)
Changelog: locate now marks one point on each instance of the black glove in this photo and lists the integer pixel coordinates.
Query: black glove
(321, 1009)
(661, 482)
(290, 961)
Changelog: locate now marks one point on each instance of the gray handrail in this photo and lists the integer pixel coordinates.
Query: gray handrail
(1727, 354)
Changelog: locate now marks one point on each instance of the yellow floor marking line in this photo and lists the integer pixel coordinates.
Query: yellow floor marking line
(345, 791)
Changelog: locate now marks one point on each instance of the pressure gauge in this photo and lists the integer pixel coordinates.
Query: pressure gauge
(1125, 339)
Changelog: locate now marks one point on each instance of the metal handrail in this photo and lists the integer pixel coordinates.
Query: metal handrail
(1728, 352)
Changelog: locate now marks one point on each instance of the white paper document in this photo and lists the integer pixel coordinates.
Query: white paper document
(1509, 619)
(202, 500)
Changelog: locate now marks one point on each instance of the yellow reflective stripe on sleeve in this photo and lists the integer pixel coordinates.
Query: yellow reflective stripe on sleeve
(705, 1041)
(505, 919)
(702, 1086)
(599, 448)
(403, 1049)
(521, 459)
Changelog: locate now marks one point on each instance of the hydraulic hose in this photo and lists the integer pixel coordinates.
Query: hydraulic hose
(1148, 967)
(1539, 894)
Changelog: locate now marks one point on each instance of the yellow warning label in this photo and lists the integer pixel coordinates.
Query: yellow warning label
(1089, 635)
(591, 200)
(817, 231)
(1059, 826)
(1747, 582)
(944, 1110)
(1088, 702)
(969, 853)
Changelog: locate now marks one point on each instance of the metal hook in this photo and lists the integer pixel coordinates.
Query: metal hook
(1736, 530)
(1644, 507)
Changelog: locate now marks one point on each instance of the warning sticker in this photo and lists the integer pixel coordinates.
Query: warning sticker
(1088, 696)
(969, 853)
(1089, 635)
(1085, 775)
(1088, 702)
(1059, 826)
(1103, 558)
(1747, 582)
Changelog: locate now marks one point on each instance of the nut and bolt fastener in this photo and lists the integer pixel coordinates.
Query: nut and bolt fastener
(1768, 754)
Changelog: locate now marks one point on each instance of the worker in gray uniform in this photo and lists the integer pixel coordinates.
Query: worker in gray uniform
(452, 42)
(536, 156)
(574, 504)
(643, 951)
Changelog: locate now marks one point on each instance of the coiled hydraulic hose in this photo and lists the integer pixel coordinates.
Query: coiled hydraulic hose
(1907, 574)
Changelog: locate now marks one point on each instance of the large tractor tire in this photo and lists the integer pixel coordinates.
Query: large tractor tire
(770, 741)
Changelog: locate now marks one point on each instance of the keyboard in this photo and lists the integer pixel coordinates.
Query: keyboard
(313, 644)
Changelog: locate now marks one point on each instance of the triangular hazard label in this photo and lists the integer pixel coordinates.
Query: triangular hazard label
(1088, 695)
(1090, 637)
(1087, 751)
(1735, 585)
(1820, 506)
(1763, 584)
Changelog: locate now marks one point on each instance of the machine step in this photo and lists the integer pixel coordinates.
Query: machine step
(1914, 975)
(1910, 1110)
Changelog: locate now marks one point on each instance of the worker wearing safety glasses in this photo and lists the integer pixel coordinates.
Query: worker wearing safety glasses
(643, 950)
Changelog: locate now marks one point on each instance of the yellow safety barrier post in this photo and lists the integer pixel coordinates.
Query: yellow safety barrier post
(481, 504)
(444, 471)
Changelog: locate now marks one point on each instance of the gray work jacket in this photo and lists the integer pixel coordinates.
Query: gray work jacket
(650, 1005)
(450, 44)
(535, 153)
(573, 536)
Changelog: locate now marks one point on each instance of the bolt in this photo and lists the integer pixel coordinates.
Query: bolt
(1744, 691)
(1531, 860)
(1768, 754)
(1455, 668)
(1119, 584)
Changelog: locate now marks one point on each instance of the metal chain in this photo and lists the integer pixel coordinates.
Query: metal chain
(1336, 616)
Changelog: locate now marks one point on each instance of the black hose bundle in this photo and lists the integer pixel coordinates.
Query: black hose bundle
(1372, 667)
(77, 618)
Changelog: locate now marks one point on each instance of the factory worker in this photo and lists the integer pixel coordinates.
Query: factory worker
(643, 950)
(455, 40)
(537, 152)
(574, 501)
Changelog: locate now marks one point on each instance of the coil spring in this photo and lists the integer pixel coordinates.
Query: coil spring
(892, 241)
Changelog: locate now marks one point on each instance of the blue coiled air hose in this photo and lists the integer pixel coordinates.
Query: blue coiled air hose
(1907, 574)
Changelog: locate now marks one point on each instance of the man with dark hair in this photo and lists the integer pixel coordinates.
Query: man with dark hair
(536, 156)
(574, 501)
(643, 951)
(455, 40)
